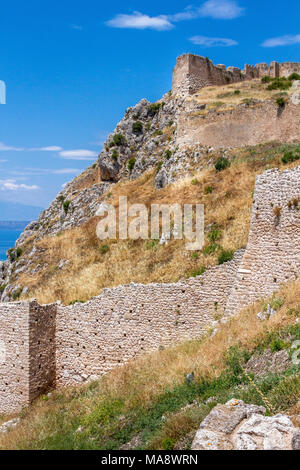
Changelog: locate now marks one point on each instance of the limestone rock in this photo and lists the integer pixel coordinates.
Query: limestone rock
(296, 98)
(207, 439)
(296, 441)
(239, 426)
(225, 418)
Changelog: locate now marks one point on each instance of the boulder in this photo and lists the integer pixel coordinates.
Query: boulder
(238, 426)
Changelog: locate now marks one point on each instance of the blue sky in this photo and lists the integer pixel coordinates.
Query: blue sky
(72, 68)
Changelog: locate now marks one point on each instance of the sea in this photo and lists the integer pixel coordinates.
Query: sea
(9, 233)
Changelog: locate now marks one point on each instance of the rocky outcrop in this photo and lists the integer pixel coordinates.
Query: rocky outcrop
(139, 140)
(238, 426)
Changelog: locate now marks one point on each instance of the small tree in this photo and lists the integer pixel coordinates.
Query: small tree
(222, 163)
(137, 127)
(131, 164)
(119, 140)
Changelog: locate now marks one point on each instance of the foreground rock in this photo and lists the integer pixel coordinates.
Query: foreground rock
(237, 426)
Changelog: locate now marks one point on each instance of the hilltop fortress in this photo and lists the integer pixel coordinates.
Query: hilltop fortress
(46, 346)
(193, 72)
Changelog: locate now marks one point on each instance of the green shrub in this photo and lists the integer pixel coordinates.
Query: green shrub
(225, 255)
(119, 140)
(17, 293)
(66, 206)
(214, 234)
(290, 157)
(149, 245)
(131, 164)
(11, 255)
(222, 163)
(154, 108)
(168, 154)
(279, 84)
(195, 182)
(199, 272)
(281, 102)
(115, 155)
(2, 288)
(266, 79)
(158, 167)
(278, 345)
(104, 249)
(19, 252)
(137, 127)
(211, 249)
(208, 189)
(237, 92)
(157, 132)
(148, 126)
(168, 443)
(294, 76)
(249, 101)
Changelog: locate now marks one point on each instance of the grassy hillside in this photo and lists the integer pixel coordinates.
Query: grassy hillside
(91, 264)
(148, 403)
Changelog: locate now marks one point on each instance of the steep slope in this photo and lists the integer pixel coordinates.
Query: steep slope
(149, 404)
(158, 153)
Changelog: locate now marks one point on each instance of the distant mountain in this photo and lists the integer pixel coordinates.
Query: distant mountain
(13, 211)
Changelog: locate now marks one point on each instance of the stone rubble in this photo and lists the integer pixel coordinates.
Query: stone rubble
(238, 426)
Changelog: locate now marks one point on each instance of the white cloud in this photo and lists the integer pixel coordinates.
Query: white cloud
(213, 42)
(6, 148)
(53, 148)
(139, 21)
(44, 171)
(79, 154)
(12, 185)
(288, 40)
(66, 171)
(78, 27)
(219, 9)
(3, 161)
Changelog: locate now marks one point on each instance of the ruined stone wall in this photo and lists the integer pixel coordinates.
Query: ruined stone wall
(127, 321)
(27, 353)
(243, 125)
(14, 356)
(272, 256)
(287, 68)
(193, 72)
(42, 348)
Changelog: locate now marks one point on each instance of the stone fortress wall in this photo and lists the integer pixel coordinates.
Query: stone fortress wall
(193, 72)
(54, 345)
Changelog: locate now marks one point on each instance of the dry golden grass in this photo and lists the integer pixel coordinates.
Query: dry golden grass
(225, 98)
(89, 271)
(140, 381)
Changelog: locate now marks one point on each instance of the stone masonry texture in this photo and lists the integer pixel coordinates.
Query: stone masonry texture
(52, 345)
(193, 72)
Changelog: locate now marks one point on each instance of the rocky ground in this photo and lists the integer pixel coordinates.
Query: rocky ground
(237, 426)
